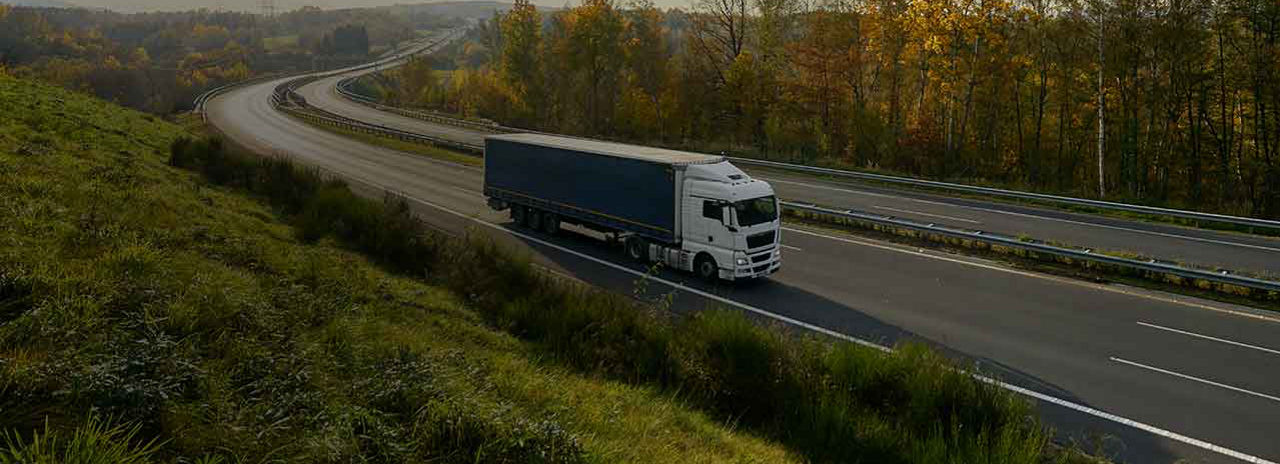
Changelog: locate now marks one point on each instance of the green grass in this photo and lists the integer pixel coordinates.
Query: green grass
(303, 323)
(827, 401)
(407, 147)
(147, 315)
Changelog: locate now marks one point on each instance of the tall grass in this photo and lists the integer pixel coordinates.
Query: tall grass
(95, 442)
(832, 401)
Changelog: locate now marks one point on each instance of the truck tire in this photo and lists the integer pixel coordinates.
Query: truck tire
(705, 267)
(533, 219)
(550, 223)
(517, 215)
(637, 249)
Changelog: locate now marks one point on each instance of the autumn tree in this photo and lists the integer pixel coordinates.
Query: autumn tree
(521, 41)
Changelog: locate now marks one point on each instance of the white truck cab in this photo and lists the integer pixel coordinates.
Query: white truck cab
(732, 218)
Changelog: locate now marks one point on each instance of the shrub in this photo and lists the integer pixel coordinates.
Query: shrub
(832, 401)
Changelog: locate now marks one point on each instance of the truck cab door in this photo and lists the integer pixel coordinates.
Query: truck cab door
(712, 220)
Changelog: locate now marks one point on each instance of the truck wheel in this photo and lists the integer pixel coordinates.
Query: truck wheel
(517, 215)
(550, 223)
(638, 249)
(705, 267)
(533, 218)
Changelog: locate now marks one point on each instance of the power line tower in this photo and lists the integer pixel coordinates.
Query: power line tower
(268, 8)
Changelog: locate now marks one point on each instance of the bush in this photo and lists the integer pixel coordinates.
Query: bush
(832, 401)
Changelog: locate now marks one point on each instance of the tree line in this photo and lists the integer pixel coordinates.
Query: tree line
(1171, 102)
(159, 62)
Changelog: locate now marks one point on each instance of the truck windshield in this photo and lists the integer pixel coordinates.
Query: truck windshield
(756, 211)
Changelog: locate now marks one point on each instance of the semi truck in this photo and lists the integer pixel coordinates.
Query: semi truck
(689, 211)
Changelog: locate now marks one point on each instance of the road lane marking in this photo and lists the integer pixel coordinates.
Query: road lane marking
(1126, 229)
(849, 338)
(918, 213)
(1033, 275)
(1100, 287)
(1207, 337)
(1032, 216)
(835, 189)
(1017, 389)
(1197, 379)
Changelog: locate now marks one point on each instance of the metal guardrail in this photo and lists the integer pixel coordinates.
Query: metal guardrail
(978, 236)
(1105, 205)
(397, 54)
(329, 119)
(1083, 255)
(344, 90)
(198, 105)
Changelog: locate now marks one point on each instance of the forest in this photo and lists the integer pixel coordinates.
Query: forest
(1165, 102)
(159, 62)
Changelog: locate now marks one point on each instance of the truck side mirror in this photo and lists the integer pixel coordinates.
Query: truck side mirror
(724, 219)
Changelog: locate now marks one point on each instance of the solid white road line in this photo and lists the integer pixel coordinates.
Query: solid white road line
(1207, 337)
(1126, 229)
(778, 317)
(1032, 216)
(1014, 388)
(1064, 280)
(1197, 379)
(789, 247)
(918, 213)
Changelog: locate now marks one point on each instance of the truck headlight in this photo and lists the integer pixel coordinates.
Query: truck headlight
(777, 253)
(742, 261)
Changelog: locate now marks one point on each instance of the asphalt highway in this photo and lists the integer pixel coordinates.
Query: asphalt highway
(1164, 377)
(1226, 250)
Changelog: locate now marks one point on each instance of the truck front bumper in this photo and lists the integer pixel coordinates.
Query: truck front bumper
(756, 270)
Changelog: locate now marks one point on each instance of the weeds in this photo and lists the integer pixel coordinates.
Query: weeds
(95, 442)
(136, 291)
(832, 401)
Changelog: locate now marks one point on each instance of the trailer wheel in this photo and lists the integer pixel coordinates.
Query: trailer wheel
(705, 266)
(550, 223)
(533, 218)
(637, 249)
(517, 215)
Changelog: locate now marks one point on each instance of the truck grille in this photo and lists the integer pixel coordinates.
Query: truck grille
(761, 257)
(761, 239)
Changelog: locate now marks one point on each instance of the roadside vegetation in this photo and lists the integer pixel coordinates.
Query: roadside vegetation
(429, 151)
(1159, 103)
(148, 315)
(150, 312)
(159, 62)
(827, 401)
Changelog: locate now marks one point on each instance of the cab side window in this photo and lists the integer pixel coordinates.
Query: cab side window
(712, 210)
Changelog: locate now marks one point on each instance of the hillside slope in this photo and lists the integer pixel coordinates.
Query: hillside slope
(137, 302)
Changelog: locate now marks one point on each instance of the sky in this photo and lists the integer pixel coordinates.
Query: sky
(281, 5)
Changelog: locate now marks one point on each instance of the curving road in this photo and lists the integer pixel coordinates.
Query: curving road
(1227, 250)
(1175, 376)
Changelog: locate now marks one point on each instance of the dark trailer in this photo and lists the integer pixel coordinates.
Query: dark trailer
(610, 187)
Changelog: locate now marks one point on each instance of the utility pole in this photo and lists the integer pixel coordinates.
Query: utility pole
(1102, 190)
(268, 8)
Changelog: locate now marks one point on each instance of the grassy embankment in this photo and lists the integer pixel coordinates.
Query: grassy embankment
(149, 297)
(140, 303)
